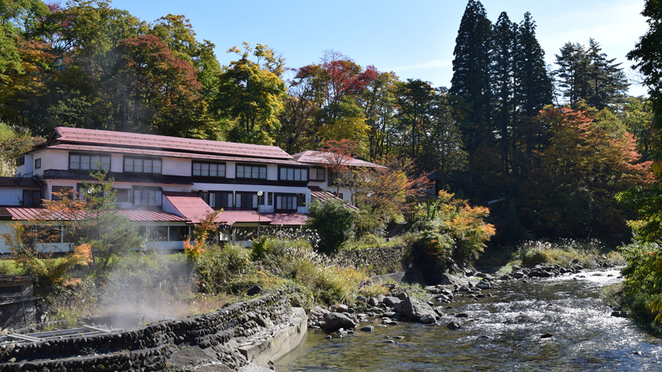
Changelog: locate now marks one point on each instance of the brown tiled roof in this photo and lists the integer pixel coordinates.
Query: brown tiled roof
(322, 158)
(135, 215)
(317, 193)
(93, 137)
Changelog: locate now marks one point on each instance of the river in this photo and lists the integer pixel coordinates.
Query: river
(509, 331)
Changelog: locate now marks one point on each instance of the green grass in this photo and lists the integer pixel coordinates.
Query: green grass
(9, 267)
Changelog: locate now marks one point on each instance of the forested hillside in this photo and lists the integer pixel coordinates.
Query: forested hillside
(546, 148)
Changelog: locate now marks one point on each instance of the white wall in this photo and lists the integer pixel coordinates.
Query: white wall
(176, 167)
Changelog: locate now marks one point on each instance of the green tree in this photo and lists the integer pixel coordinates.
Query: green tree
(533, 90)
(252, 93)
(334, 222)
(503, 83)
(471, 75)
(590, 158)
(177, 33)
(585, 73)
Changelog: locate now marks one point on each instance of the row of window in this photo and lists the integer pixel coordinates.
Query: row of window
(139, 196)
(250, 200)
(57, 234)
(199, 169)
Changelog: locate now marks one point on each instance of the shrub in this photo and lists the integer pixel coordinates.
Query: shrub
(334, 222)
(223, 269)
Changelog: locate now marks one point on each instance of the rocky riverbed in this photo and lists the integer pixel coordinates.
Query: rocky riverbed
(397, 306)
(547, 319)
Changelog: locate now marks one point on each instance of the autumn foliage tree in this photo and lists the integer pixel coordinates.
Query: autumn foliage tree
(589, 159)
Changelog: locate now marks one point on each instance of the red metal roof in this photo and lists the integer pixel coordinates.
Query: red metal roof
(322, 158)
(137, 140)
(189, 205)
(232, 217)
(172, 154)
(135, 215)
(317, 193)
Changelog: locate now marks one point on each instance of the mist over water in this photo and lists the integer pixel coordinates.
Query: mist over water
(502, 333)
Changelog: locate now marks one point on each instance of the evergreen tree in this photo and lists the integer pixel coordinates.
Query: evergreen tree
(502, 74)
(471, 78)
(533, 90)
(586, 73)
(608, 85)
(533, 85)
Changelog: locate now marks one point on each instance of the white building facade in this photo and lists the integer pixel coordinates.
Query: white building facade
(165, 185)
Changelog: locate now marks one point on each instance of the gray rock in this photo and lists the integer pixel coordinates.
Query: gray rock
(367, 328)
(484, 285)
(453, 325)
(450, 279)
(334, 321)
(342, 308)
(391, 301)
(428, 319)
(372, 302)
(402, 296)
(414, 309)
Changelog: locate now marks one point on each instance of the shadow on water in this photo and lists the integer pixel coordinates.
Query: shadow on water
(502, 333)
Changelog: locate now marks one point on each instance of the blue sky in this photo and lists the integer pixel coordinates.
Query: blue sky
(414, 39)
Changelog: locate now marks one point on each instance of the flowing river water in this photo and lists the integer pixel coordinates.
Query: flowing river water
(502, 333)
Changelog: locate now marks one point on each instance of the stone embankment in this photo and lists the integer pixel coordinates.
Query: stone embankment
(375, 261)
(242, 336)
(463, 285)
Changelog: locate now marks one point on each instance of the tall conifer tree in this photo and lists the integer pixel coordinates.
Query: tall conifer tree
(533, 90)
(471, 77)
(502, 73)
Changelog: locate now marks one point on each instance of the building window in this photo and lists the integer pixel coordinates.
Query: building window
(301, 200)
(20, 161)
(178, 233)
(154, 233)
(123, 195)
(286, 202)
(37, 163)
(270, 198)
(221, 199)
(293, 174)
(147, 197)
(208, 169)
(60, 192)
(252, 171)
(89, 162)
(317, 174)
(142, 165)
(246, 200)
(31, 198)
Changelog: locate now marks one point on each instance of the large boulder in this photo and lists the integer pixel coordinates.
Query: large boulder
(334, 321)
(454, 280)
(415, 310)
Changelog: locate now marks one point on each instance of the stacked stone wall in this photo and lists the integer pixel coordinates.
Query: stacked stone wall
(376, 261)
(149, 348)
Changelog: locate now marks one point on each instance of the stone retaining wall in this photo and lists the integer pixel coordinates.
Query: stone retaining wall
(153, 347)
(377, 261)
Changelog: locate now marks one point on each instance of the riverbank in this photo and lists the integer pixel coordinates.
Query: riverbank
(244, 336)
